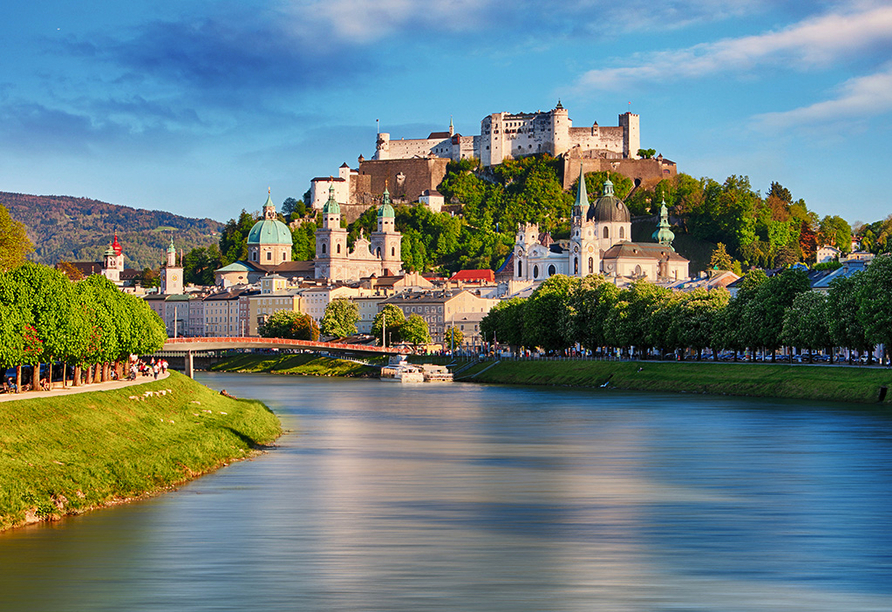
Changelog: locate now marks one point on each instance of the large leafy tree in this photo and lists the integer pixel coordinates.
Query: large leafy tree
(234, 238)
(453, 338)
(504, 323)
(303, 242)
(875, 308)
(289, 324)
(733, 329)
(835, 231)
(548, 315)
(697, 316)
(592, 300)
(764, 315)
(415, 331)
(388, 321)
(806, 323)
(340, 318)
(629, 323)
(199, 265)
(843, 304)
(104, 311)
(14, 242)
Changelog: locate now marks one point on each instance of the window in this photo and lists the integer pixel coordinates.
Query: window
(339, 247)
(622, 233)
(551, 270)
(393, 251)
(323, 248)
(269, 255)
(520, 268)
(607, 232)
(575, 265)
(591, 265)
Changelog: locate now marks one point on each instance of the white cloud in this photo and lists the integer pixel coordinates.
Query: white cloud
(862, 96)
(364, 21)
(813, 42)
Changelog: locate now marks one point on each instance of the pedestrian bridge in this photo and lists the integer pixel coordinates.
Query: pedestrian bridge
(189, 346)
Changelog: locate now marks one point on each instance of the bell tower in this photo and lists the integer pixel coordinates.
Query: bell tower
(172, 274)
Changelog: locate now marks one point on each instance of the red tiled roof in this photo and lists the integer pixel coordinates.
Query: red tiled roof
(474, 276)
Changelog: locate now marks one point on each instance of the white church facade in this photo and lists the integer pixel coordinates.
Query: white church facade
(380, 256)
(600, 243)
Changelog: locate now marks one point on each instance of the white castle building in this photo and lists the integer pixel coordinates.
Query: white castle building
(507, 136)
(599, 244)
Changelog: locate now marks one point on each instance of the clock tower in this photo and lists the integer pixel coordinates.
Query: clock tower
(172, 274)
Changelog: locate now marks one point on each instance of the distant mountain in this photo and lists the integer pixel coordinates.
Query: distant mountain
(64, 228)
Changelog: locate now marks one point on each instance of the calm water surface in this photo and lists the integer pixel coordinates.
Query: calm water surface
(459, 497)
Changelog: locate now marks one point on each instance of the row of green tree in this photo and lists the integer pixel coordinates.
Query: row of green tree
(45, 318)
(390, 325)
(767, 313)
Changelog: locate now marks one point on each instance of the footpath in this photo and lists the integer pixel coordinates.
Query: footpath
(58, 390)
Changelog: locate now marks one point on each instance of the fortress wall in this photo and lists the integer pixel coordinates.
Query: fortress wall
(597, 138)
(405, 179)
(648, 171)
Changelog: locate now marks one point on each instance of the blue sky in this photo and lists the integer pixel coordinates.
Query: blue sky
(198, 107)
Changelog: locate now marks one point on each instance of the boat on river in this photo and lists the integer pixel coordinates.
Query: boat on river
(400, 370)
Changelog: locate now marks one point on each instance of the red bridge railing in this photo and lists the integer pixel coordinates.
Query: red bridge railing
(204, 343)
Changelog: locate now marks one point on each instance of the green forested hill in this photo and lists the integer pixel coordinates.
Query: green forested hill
(65, 228)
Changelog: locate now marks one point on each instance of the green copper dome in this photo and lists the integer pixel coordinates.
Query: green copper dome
(269, 230)
(171, 248)
(386, 209)
(331, 206)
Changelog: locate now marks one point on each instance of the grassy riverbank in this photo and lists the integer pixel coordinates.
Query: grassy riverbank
(841, 384)
(305, 364)
(829, 383)
(65, 455)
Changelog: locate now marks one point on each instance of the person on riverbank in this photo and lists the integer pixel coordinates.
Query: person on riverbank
(156, 369)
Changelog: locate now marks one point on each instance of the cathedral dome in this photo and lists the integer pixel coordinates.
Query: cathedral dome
(269, 230)
(609, 208)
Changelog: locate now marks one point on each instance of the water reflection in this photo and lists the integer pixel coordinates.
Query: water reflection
(459, 497)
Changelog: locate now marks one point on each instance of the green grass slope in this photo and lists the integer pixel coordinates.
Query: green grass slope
(305, 364)
(65, 455)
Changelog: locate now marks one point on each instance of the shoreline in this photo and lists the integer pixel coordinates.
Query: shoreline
(855, 384)
(852, 384)
(74, 453)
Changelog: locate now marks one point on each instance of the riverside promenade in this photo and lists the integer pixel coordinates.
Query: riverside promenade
(58, 390)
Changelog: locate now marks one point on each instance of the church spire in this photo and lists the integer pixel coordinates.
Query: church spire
(269, 209)
(581, 193)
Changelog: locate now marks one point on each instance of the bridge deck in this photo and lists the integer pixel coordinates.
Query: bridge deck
(189, 345)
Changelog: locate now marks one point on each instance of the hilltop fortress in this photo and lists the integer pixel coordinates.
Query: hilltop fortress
(413, 168)
(507, 136)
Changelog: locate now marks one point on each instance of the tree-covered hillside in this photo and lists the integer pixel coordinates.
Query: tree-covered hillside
(64, 228)
(488, 205)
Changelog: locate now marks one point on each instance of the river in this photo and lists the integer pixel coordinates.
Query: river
(461, 497)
